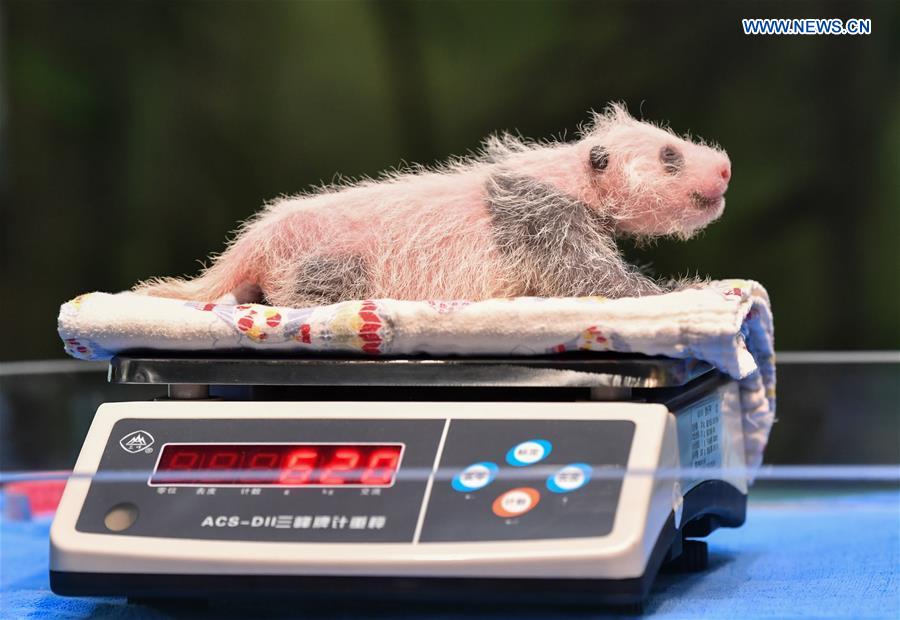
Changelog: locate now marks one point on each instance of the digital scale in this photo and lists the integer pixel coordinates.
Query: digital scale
(559, 479)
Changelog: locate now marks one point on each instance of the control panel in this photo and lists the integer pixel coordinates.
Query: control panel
(527, 479)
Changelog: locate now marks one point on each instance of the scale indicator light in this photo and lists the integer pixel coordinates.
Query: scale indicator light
(288, 465)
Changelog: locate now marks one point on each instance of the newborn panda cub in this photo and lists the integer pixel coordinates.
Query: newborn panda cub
(537, 219)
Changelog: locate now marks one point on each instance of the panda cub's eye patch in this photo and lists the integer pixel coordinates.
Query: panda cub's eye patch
(599, 158)
(672, 159)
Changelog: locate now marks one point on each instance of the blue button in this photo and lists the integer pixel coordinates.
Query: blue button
(475, 476)
(529, 452)
(570, 478)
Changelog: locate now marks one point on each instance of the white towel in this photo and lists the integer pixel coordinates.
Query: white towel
(727, 323)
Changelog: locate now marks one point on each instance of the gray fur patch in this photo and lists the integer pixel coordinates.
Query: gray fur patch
(330, 279)
(672, 159)
(561, 246)
(599, 158)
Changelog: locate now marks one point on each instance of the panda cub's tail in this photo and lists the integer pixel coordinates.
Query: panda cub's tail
(231, 273)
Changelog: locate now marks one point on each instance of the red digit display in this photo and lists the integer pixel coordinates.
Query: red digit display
(382, 465)
(309, 464)
(299, 466)
(342, 467)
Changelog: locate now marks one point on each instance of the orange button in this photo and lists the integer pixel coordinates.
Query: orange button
(516, 502)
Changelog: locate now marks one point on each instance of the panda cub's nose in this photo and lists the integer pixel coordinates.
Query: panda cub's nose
(725, 172)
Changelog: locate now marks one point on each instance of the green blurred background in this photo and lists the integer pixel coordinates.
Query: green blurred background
(135, 135)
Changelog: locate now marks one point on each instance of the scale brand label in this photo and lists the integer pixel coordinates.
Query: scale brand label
(700, 438)
(137, 441)
(299, 522)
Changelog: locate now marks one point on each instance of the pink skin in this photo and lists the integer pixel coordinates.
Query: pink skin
(429, 234)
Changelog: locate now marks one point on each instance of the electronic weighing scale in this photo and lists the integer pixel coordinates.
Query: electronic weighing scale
(560, 479)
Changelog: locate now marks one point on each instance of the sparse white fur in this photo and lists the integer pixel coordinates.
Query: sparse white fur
(517, 218)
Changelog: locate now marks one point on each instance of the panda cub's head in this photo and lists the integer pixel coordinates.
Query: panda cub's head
(650, 181)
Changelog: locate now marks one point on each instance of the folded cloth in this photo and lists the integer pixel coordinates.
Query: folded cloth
(727, 323)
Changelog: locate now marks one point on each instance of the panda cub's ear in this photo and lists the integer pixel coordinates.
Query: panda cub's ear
(599, 158)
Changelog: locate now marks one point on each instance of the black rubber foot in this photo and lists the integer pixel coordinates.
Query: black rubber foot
(694, 558)
(628, 609)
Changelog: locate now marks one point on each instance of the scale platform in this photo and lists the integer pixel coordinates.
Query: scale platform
(566, 479)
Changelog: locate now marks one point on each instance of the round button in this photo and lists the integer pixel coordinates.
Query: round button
(569, 478)
(474, 477)
(120, 517)
(516, 502)
(529, 452)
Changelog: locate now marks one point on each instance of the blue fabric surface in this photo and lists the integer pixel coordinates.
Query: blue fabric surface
(833, 556)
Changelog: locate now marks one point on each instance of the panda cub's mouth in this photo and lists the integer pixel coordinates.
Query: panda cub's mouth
(704, 202)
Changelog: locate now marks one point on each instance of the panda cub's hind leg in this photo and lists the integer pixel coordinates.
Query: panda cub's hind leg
(323, 280)
(245, 293)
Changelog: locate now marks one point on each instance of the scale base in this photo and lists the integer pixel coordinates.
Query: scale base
(706, 507)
